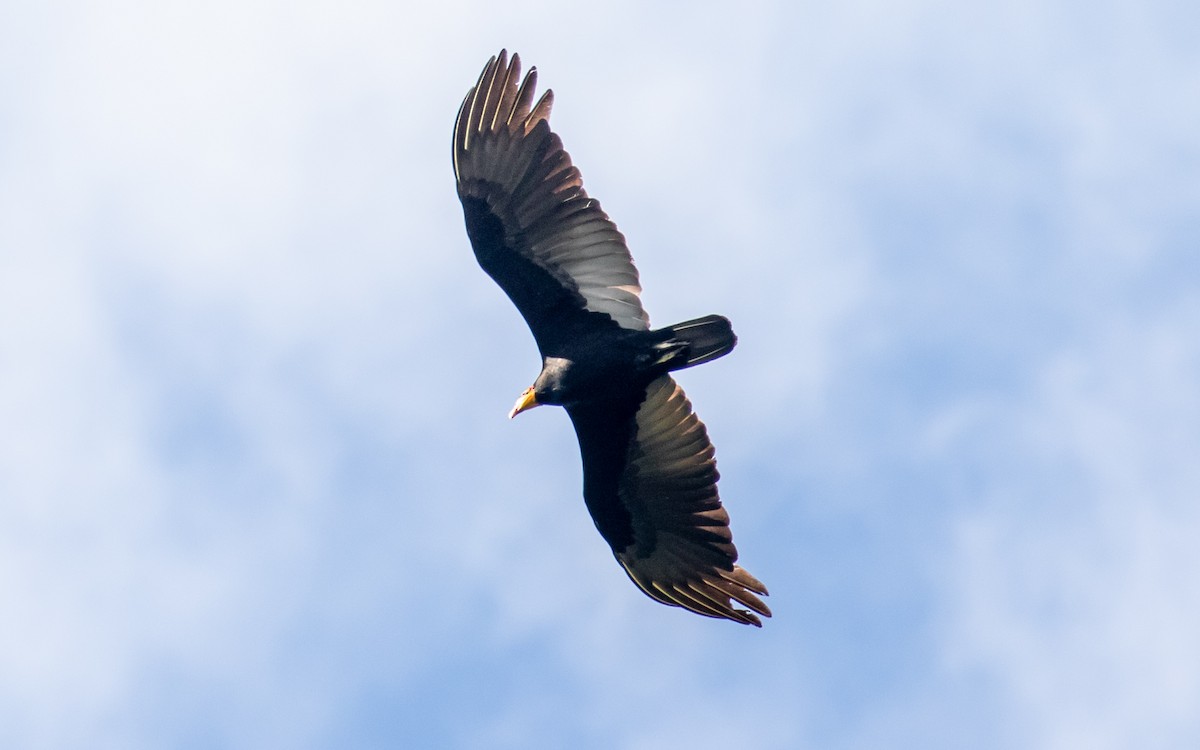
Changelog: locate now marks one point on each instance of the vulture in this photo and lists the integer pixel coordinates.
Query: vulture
(649, 473)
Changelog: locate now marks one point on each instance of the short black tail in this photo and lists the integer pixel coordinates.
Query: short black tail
(700, 340)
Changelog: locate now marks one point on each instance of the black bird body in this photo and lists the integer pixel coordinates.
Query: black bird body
(649, 473)
(603, 363)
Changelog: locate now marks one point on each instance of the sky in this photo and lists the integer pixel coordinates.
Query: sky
(257, 488)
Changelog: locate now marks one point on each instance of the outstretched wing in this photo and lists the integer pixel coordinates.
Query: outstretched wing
(650, 483)
(533, 228)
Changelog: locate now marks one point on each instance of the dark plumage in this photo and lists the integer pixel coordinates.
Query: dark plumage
(649, 476)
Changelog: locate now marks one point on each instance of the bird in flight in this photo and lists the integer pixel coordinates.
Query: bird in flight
(649, 473)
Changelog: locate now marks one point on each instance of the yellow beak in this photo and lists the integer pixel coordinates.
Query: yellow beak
(527, 401)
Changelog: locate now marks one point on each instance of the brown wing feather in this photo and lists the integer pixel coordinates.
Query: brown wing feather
(528, 216)
(682, 550)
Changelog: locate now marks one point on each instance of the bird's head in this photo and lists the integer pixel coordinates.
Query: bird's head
(547, 389)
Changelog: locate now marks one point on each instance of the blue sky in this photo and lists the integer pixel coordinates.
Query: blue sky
(256, 484)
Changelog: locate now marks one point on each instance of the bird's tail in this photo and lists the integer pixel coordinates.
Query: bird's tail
(694, 342)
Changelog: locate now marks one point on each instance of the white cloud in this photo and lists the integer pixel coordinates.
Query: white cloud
(1074, 583)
